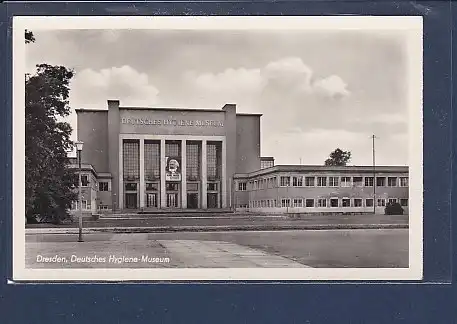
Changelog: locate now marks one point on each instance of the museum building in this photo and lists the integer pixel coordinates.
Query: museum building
(148, 159)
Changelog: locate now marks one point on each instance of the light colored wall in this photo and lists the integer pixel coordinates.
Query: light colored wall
(113, 142)
(243, 197)
(248, 143)
(172, 122)
(93, 131)
(231, 149)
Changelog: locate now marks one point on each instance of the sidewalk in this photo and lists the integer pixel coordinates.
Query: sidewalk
(153, 224)
(139, 251)
(158, 229)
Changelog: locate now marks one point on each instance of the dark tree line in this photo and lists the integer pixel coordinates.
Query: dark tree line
(49, 183)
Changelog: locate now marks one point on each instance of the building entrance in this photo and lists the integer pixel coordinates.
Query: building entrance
(131, 201)
(192, 200)
(172, 194)
(172, 200)
(151, 200)
(212, 200)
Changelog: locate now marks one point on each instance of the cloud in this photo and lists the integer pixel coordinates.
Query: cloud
(91, 89)
(328, 89)
(230, 80)
(286, 76)
(332, 86)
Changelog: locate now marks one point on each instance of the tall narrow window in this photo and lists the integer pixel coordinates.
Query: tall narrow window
(212, 159)
(152, 160)
(193, 161)
(84, 180)
(131, 160)
(172, 148)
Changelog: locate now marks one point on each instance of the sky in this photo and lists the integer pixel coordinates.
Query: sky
(317, 90)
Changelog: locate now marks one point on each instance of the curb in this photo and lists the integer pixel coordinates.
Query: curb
(173, 229)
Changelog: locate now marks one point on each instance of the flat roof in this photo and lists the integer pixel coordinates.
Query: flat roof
(90, 110)
(172, 108)
(323, 168)
(246, 114)
(165, 109)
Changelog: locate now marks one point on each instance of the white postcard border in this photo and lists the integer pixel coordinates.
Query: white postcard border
(410, 24)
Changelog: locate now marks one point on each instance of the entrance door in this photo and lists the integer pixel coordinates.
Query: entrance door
(192, 200)
(151, 200)
(130, 201)
(172, 200)
(212, 200)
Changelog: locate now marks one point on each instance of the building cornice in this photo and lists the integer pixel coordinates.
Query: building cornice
(322, 169)
(172, 109)
(90, 110)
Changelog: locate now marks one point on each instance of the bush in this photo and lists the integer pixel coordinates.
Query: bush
(393, 209)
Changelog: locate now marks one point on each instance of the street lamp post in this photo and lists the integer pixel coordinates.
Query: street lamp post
(79, 148)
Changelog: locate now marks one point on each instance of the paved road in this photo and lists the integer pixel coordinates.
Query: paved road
(323, 248)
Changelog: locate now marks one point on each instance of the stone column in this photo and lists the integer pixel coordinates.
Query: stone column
(224, 176)
(204, 176)
(114, 153)
(142, 185)
(120, 198)
(163, 196)
(183, 174)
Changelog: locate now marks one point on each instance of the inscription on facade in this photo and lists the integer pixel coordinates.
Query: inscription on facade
(171, 122)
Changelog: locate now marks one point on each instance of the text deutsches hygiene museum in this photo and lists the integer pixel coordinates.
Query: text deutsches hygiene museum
(101, 259)
(172, 122)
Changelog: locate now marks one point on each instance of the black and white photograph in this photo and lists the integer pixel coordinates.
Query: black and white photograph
(217, 148)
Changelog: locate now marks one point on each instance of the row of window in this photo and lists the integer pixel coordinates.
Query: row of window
(85, 181)
(324, 202)
(86, 206)
(170, 186)
(131, 159)
(306, 181)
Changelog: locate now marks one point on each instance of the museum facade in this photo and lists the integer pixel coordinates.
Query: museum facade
(147, 159)
(152, 158)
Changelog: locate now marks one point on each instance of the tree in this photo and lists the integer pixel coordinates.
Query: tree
(29, 38)
(49, 182)
(393, 208)
(338, 158)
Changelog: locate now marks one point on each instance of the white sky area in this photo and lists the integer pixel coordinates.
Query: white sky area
(317, 90)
